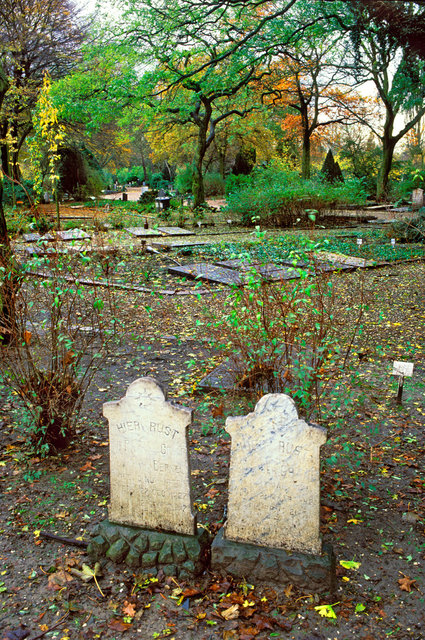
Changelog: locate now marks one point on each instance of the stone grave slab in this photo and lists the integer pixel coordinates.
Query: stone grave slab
(178, 244)
(341, 259)
(268, 270)
(149, 462)
(175, 231)
(206, 271)
(31, 237)
(141, 232)
(72, 234)
(274, 482)
(48, 237)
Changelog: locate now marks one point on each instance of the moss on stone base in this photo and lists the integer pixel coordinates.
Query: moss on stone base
(175, 554)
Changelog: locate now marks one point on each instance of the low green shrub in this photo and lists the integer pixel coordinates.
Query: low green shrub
(183, 180)
(282, 197)
(23, 192)
(214, 184)
(410, 230)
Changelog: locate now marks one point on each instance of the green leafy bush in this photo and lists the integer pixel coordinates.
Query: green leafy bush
(24, 191)
(183, 180)
(214, 184)
(410, 230)
(282, 197)
(63, 331)
(291, 337)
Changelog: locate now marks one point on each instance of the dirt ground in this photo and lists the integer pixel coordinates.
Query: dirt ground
(372, 490)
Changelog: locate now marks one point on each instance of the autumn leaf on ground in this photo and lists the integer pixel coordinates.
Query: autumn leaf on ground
(406, 583)
(217, 411)
(231, 613)
(58, 580)
(288, 590)
(129, 609)
(87, 574)
(349, 564)
(119, 625)
(326, 610)
(86, 467)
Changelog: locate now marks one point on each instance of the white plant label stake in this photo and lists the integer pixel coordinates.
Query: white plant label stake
(402, 370)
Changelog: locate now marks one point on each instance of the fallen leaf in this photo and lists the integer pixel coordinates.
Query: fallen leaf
(86, 574)
(217, 411)
(87, 466)
(58, 580)
(288, 590)
(129, 609)
(326, 610)
(119, 625)
(349, 564)
(188, 593)
(231, 613)
(406, 583)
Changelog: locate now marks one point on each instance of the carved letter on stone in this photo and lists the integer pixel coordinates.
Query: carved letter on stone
(274, 484)
(150, 475)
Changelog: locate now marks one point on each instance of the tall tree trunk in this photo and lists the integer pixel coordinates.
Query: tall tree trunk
(306, 157)
(388, 145)
(145, 172)
(306, 150)
(198, 189)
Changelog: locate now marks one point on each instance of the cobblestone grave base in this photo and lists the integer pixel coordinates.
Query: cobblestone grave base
(274, 566)
(178, 555)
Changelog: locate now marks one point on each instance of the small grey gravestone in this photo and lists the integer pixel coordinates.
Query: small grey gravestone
(417, 198)
(149, 463)
(274, 484)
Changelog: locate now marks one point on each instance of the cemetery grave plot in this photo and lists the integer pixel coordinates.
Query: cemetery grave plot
(72, 234)
(373, 454)
(175, 231)
(141, 232)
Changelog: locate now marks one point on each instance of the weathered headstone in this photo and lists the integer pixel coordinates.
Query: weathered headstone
(149, 462)
(274, 485)
(417, 198)
(272, 531)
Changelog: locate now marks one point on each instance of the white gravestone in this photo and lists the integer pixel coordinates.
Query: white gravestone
(149, 462)
(274, 484)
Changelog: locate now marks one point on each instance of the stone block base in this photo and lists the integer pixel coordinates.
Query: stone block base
(274, 566)
(176, 554)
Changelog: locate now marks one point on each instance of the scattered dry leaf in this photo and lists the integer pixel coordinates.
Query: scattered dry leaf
(231, 613)
(406, 583)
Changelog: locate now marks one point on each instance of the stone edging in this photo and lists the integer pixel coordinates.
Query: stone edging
(176, 554)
